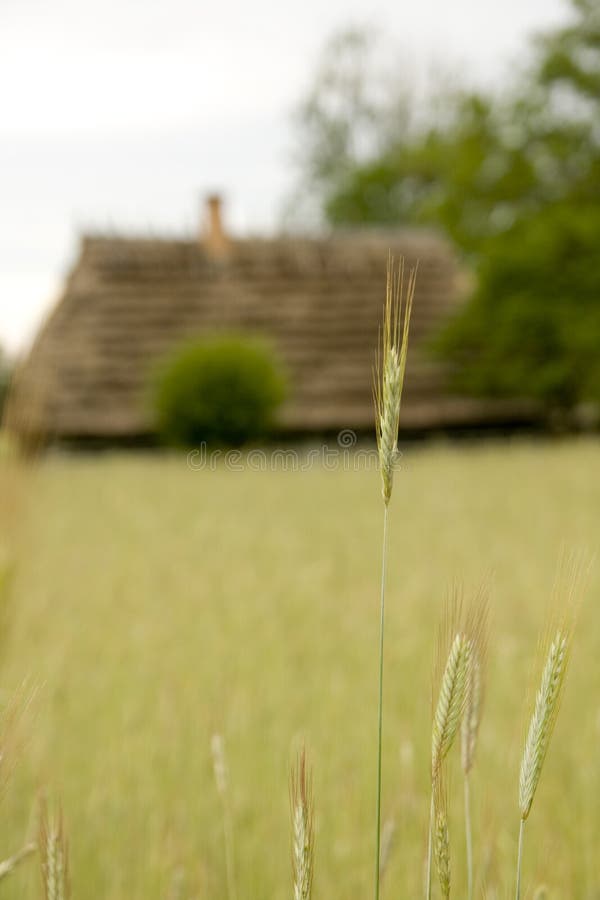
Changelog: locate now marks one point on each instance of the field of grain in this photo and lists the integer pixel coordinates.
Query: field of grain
(155, 605)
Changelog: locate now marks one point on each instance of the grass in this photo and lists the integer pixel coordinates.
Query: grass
(157, 606)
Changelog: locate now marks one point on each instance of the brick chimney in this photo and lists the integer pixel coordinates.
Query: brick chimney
(214, 239)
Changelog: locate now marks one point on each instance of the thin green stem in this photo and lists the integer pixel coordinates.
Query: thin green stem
(519, 857)
(380, 715)
(469, 838)
(430, 849)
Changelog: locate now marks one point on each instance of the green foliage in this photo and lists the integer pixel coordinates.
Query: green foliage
(222, 391)
(460, 175)
(358, 103)
(515, 182)
(533, 326)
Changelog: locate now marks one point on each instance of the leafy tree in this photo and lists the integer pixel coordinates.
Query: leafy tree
(467, 176)
(533, 325)
(515, 181)
(357, 105)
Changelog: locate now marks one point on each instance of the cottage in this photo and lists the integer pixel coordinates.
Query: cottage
(130, 301)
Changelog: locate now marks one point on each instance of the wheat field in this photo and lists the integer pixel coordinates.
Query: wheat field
(155, 605)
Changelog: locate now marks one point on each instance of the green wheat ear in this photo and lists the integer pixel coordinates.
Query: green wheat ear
(451, 700)
(570, 582)
(540, 731)
(543, 720)
(569, 586)
(461, 639)
(448, 709)
(389, 371)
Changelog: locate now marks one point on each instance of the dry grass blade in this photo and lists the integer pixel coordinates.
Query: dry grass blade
(54, 855)
(301, 804)
(390, 368)
(9, 865)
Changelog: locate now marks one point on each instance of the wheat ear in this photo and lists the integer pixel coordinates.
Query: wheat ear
(441, 838)
(446, 720)
(571, 578)
(543, 720)
(387, 388)
(451, 701)
(53, 855)
(450, 704)
(389, 369)
(540, 731)
(301, 807)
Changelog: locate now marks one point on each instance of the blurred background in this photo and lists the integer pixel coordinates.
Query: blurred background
(476, 123)
(197, 206)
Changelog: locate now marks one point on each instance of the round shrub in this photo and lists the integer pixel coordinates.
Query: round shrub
(223, 391)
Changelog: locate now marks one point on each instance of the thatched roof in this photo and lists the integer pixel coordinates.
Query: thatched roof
(128, 302)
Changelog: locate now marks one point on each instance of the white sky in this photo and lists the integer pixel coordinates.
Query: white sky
(120, 114)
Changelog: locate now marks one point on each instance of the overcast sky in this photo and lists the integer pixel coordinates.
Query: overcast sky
(120, 114)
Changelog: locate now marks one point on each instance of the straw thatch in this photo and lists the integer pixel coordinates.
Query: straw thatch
(129, 302)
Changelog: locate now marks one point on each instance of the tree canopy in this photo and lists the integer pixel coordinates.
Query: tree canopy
(514, 179)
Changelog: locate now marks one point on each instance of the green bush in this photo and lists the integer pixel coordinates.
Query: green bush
(223, 391)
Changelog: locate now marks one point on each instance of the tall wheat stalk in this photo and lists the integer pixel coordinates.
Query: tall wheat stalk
(542, 723)
(388, 382)
(570, 582)
(302, 813)
(464, 636)
(446, 720)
